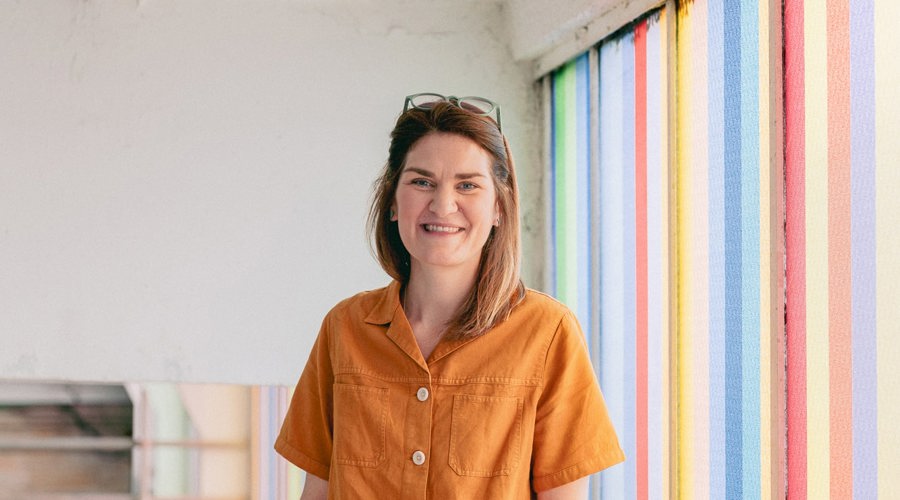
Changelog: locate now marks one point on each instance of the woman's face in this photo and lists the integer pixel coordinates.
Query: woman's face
(446, 202)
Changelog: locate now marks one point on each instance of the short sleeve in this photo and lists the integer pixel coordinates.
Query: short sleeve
(306, 434)
(573, 434)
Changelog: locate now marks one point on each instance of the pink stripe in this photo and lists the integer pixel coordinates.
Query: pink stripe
(795, 239)
(640, 192)
(840, 363)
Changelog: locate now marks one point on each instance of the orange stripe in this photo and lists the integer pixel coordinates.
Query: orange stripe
(839, 289)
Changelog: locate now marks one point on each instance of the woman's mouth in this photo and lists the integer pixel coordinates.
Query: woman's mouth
(435, 228)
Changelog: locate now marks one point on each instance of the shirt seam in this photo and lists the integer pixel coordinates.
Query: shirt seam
(527, 382)
(587, 466)
(550, 342)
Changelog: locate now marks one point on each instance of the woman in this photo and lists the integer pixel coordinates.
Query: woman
(454, 381)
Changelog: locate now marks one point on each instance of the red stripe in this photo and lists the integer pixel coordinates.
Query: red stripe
(795, 240)
(640, 194)
(840, 366)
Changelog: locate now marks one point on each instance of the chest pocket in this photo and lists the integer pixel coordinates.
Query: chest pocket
(485, 435)
(359, 427)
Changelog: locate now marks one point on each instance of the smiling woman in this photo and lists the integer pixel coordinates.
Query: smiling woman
(445, 206)
(454, 381)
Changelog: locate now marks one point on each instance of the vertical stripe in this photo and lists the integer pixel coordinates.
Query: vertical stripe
(612, 326)
(766, 309)
(817, 397)
(640, 205)
(839, 281)
(595, 489)
(733, 287)
(716, 222)
(628, 254)
(667, 421)
(582, 194)
(697, 281)
(548, 97)
(887, 220)
(554, 179)
(749, 165)
(685, 429)
(862, 247)
(656, 268)
(795, 241)
(566, 187)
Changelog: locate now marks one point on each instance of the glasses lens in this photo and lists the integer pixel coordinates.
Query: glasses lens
(425, 100)
(476, 105)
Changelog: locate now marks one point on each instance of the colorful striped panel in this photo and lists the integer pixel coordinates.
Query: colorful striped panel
(842, 214)
(630, 176)
(724, 360)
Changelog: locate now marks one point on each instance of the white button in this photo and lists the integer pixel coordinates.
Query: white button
(422, 394)
(418, 458)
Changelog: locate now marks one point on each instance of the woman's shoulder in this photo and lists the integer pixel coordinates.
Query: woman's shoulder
(537, 304)
(368, 302)
(538, 299)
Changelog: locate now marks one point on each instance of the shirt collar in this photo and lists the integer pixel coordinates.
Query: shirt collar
(383, 311)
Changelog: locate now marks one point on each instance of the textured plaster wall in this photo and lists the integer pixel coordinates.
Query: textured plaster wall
(183, 185)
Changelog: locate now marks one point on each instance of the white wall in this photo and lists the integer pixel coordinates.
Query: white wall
(183, 184)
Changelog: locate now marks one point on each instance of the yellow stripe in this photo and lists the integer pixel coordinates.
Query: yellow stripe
(887, 222)
(765, 246)
(686, 362)
(817, 396)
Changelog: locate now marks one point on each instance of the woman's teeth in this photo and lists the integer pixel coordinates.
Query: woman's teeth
(440, 229)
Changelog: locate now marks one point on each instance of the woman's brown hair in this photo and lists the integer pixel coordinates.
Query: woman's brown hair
(498, 288)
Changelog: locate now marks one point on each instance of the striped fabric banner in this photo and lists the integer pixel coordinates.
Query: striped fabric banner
(843, 211)
(615, 168)
(723, 212)
(272, 477)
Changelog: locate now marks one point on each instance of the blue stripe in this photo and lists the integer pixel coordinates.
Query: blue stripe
(750, 269)
(733, 289)
(583, 194)
(628, 263)
(862, 229)
(716, 172)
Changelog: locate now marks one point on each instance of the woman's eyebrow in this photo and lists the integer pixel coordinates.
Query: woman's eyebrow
(420, 171)
(427, 173)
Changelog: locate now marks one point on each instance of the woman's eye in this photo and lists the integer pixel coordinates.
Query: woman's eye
(467, 186)
(421, 182)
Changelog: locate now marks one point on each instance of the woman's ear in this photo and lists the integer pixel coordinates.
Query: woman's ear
(393, 213)
(496, 214)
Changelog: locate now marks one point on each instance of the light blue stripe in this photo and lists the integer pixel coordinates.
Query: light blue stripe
(862, 237)
(733, 247)
(656, 179)
(750, 268)
(583, 193)
(716, 199)
(612, 299)
(629, 434)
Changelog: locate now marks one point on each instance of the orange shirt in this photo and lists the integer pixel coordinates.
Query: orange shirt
(500, 416)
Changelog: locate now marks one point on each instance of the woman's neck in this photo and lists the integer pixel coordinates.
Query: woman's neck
(433, 297)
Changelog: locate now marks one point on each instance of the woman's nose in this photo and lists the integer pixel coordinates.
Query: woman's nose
(443, 203)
